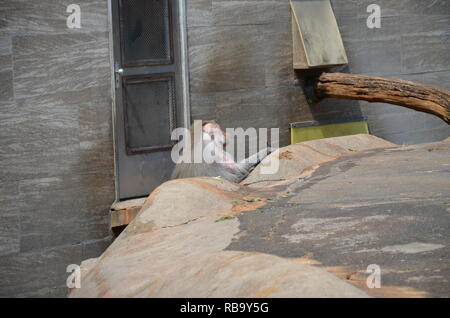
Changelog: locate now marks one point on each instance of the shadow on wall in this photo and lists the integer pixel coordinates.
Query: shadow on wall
(331, 108)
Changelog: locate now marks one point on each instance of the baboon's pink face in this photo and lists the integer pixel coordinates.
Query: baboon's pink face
(213, 132)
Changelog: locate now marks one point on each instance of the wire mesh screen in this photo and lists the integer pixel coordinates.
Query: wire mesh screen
(150, 114)
(146, 34)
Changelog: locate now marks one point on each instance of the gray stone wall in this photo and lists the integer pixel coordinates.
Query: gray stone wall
(241, 75)
(56, 153)
(56, 149)
(413, 43)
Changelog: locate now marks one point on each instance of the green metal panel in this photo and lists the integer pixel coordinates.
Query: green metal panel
(307, 132)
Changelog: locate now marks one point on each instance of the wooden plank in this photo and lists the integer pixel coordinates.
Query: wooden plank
(122, 213)
(317, 41)
(299, 56)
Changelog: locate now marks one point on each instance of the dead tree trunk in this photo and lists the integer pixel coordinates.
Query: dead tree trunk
(423, 98)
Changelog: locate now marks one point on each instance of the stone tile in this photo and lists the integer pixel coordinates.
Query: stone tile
(59, 63)
(62, 210)
(272, 107)
(56, 154)
(350, 29)
(9, 199)
(391, 8)
(199, 13)
(96, 131)
(417, 137)
(411, 7)
(332, 108)
(278, 54)
(96, 154)
(374, 109)
(440, 79)
(93, 249)
(227, 116)
(11, 142)
(404, 126)
(40, 138)
(9, 217)
(375, 57)
(50, 16)
(249, 12)
(5, 44)
(234, 59)
(425, 53)
(434, 123)
(397, 122)
(422, 24)
(200, 79)
(6, 85)
(291, 101)
(347, 7)
(203, 106)
(9, 231)
(10, 121)
(6, 74)
(18, 166)
(67, 132)
(49, 214)
(94, 223)
(413, 17)
(38, 274)
(240, 97)
(50, 121)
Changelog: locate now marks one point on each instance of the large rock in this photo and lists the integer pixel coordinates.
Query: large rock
(176, 247)
(300, 159)
(335, 206)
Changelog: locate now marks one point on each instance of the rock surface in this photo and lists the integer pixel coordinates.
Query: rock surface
(303, 158)
(176, 248)
(336, 206)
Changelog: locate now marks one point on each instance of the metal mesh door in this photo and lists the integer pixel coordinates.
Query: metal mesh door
(146, 32)
(146, 38)
(149, 113)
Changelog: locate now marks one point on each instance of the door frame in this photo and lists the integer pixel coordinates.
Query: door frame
(184, 75)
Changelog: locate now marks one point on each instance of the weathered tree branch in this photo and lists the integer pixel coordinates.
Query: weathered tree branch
(423, 98)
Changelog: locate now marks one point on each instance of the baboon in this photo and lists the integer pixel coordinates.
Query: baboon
(224, 165)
